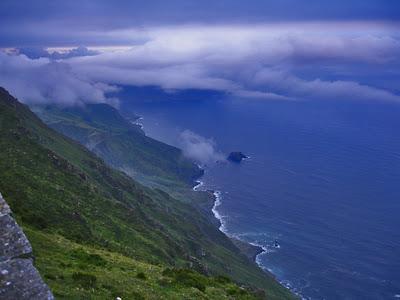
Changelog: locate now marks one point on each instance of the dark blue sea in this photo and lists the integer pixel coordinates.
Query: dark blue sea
(323, 179)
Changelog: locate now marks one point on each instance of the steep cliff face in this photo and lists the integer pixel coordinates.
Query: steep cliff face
(19, 279)
(94, 230)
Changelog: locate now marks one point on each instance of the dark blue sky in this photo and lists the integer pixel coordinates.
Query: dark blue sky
(24, 23)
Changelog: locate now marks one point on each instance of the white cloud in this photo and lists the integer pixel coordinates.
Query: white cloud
(248, 61)
(199, 148)
(230, 58)
(38, 81)
(318, 89)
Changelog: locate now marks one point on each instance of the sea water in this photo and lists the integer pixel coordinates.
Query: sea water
(323, 179)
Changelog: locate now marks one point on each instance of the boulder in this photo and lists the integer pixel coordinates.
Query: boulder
(19, 279)
(236, 157)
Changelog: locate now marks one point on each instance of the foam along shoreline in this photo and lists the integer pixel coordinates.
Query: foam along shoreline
(198, 185)
(138, 123)
(285, 284)
(250, 249)
(217, 215)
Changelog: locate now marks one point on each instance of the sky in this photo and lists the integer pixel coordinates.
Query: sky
(75, 52)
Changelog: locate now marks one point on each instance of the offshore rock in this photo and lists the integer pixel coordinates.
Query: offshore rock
(236, 157)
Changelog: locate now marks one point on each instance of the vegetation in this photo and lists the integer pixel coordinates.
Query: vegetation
(94, 229)
(122, 144)
(75, 277)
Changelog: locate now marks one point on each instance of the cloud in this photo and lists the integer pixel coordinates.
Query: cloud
(293, 61)
(199, 148)
(318, 89)
(40, 81)
(232, 59)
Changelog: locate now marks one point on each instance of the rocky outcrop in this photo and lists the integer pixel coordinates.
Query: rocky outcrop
(236, 157)
(19, 279)
(247, 249)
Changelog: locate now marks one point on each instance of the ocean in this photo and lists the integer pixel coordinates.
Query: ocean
(323, 179)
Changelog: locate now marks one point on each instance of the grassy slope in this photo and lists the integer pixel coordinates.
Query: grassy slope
(77, 271)
(121, 144)
(66, 198)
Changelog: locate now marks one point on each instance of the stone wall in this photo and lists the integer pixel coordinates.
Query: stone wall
(19, 279)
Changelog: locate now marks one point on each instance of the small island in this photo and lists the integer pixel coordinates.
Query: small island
(236, 157)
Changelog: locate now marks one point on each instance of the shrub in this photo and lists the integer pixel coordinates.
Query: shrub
(223, 279)
(84, 280)
(36, 221)
(138, 296)
(141, 275)
(187, 278)
(235, 291)
(87, 258)
(50, 276)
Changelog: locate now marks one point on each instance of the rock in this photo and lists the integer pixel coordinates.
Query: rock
(19, 279)
(236, 157)
(4, 208)
(13, 242)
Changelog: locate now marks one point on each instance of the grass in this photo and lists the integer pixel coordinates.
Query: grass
(74, 271)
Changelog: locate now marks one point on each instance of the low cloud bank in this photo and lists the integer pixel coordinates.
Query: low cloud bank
(270, 62)
(43, 81)
(199, 148)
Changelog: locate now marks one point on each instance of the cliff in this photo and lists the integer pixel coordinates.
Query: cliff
(97, 233)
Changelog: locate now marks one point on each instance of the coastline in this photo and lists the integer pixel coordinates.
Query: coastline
(209, 208)
(249, 249)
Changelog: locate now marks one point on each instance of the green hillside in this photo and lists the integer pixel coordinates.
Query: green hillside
(122, 144)
(98, 233)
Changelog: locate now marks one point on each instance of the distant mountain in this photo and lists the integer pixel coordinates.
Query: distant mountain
(122, 144)
(97, 233)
